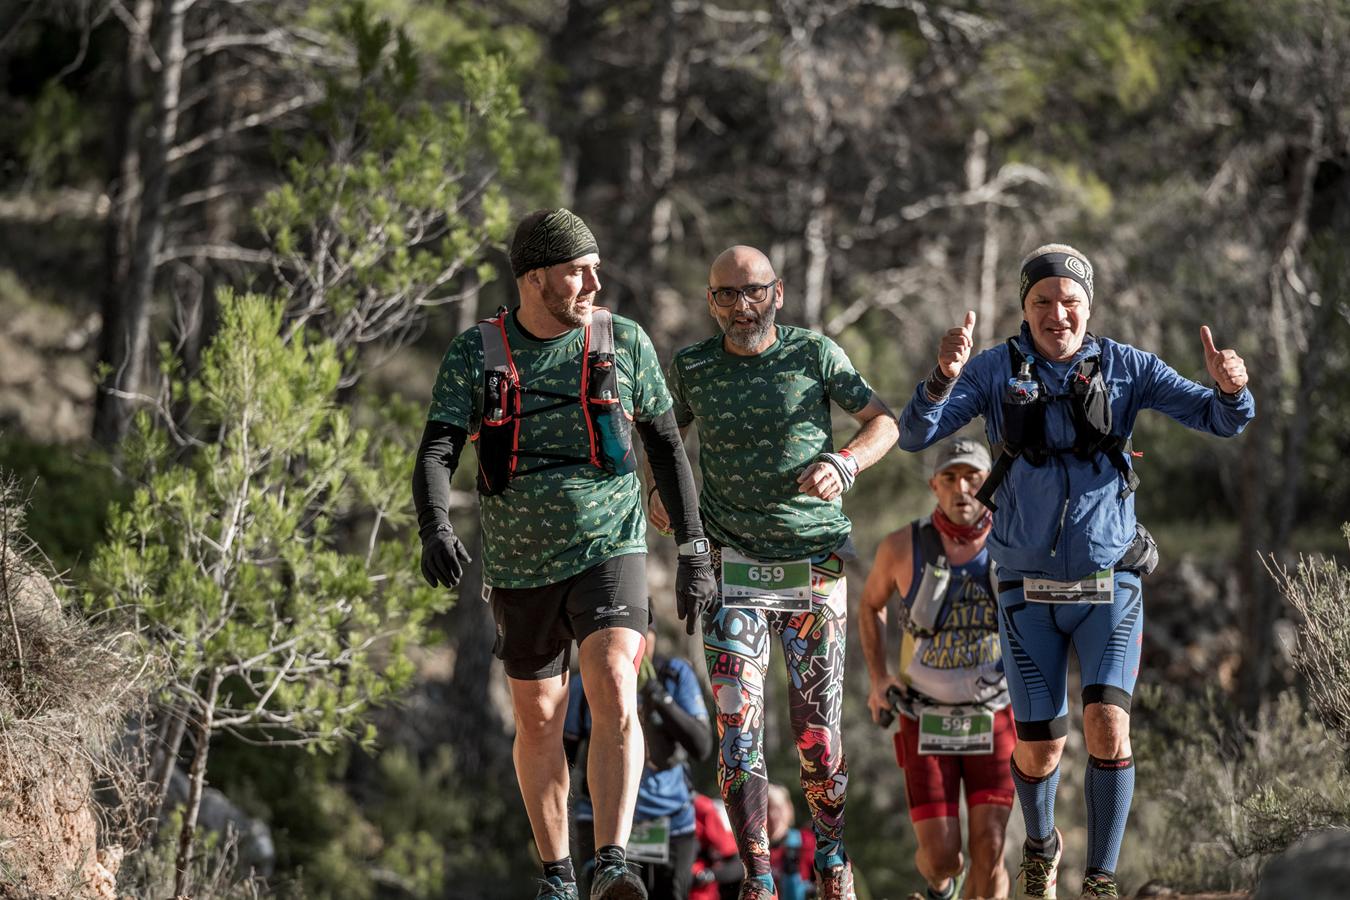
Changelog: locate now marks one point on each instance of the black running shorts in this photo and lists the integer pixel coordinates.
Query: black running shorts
(536, 626)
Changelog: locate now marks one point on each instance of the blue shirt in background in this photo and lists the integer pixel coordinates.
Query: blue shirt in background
(660, 793)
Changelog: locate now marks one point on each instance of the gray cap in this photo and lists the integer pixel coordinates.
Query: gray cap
(961, 451)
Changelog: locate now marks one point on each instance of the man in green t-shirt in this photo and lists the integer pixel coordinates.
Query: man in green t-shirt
(772, 482)
(546, 391)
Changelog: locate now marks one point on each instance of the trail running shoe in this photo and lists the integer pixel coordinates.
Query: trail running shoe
(953, 893)
(754, 889)
(1098, 886)
(554, 888)
(836, 883)
(615, 881)
(1037, 877)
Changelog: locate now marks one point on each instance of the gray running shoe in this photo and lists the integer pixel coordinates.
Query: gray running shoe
(554, 888)
(615, 881)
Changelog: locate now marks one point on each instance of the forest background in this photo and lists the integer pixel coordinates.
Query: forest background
(236, 236)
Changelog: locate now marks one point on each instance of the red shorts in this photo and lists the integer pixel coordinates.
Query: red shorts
(933, 783)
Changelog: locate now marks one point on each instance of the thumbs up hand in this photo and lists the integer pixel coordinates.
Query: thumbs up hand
(955, 347)
(1225, 366)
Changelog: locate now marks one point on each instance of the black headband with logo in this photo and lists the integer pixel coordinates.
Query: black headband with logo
(1056, 265)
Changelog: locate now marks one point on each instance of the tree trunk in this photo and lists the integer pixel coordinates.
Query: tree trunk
(986, 306)
(579, 23)
(482, 744)
(816, 245)
(124, 182)
(199, 315)
(1258, 601)
(163, 757)
(668, 313)
(196, 782)
(127, 334)
(1268, 488)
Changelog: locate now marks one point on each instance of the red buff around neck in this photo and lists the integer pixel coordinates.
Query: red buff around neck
(962, 534)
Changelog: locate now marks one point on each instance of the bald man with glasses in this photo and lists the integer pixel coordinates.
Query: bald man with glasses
(773, 478)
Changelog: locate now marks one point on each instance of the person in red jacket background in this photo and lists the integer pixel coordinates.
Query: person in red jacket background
(718, 864)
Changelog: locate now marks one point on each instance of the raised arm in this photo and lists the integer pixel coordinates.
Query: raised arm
(945, 400)
(1223, 409)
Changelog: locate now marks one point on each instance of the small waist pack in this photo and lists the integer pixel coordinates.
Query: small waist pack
(1142, 554)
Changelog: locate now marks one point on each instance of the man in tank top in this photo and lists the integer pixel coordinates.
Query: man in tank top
(955, 724)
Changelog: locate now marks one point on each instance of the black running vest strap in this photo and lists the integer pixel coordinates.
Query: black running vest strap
(608, 428)
(1023, 435)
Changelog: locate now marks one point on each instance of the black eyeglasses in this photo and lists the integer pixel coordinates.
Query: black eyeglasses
(753, 293)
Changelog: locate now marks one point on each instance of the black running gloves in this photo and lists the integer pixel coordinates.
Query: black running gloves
(695, 578)
(443, 553)
(695, 587)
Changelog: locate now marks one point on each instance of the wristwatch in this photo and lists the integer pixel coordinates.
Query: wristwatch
(695, 547)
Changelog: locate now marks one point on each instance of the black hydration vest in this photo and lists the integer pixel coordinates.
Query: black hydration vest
(608, 430)
(1023, 435)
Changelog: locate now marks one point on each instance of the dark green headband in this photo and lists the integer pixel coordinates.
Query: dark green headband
(547, 237)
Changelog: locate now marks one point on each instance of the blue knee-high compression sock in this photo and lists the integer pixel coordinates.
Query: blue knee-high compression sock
(1110, 788)
(1037, 797)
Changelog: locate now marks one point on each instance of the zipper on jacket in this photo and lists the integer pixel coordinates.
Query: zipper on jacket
(1063, 510)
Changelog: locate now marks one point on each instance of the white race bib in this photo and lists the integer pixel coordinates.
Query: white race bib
(649, 842)
(1096, 588)
(955, 730)
(776, 587)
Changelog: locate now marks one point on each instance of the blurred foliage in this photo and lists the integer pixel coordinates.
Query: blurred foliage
(71, 491)
(52, 136)
(1217, 798)
(922, 147)
(226, 558)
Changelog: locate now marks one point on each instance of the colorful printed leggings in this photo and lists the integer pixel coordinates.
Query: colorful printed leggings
(736, 643)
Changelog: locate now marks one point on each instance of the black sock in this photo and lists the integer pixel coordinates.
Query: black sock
(948, 895)
(611, 853)
(562, 869)
(1046, 847)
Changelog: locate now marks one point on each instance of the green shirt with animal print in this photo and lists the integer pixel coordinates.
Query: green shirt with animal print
(761, 421)
(553, 524)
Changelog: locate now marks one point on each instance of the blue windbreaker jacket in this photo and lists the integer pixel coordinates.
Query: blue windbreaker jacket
(1065, 519)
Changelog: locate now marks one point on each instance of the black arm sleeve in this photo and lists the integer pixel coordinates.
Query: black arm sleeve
(670, 470)
(693, 733)
(437, 457)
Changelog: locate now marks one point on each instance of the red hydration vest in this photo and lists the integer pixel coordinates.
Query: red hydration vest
(608, 428)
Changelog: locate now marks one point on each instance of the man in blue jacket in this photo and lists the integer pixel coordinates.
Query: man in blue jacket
(1059, 405)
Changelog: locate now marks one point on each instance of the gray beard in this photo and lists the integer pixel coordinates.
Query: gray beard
(750, 338)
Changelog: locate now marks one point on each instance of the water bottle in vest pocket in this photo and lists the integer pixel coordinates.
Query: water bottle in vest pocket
(613, 437)
(497, 431)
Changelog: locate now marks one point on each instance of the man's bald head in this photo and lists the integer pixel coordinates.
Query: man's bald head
(740, 265)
